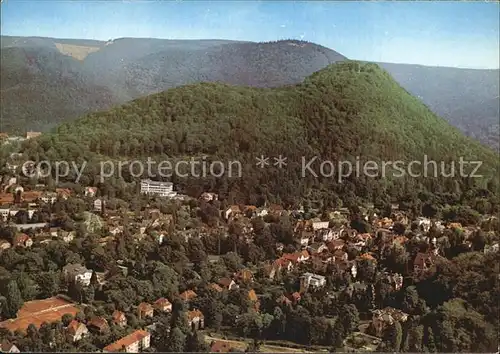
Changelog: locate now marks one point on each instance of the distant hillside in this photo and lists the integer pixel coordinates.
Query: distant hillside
(140, 67)
(346, 110)
(128, 68)
(467, 98)
(40, 87)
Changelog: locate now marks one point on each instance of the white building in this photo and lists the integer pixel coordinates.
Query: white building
(4, 213)
(310, 280)
(162, 189)
(98, 203)
(77, 273)
(424, 223)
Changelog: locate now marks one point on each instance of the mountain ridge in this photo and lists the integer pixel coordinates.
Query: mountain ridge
(346, 110)
(128, 68)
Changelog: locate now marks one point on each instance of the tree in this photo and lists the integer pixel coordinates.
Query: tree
(14, 300)
(195, 342)
(350, 318)
(93, 279)
(414, 339)
(176, 341)
(27, 286)
(392, 338)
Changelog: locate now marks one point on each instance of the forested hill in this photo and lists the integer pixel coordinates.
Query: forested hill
(54, 80)
(347, 110)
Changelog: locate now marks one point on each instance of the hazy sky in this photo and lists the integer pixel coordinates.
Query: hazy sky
(459, 34)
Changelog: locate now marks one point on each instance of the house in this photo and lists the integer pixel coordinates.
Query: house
(424, 223)
(76, 330)
(77, 273)
(4, 212)
(161, 189)
(228, 284)
(219, 346)
(135, 342)
(305, 237)
(209, 196)
(188, 295)
(4, 244)
(244, 275)
(98, 204)
(64, 193)
(98, 325)
(7, 347)
(279, 265)
(336, 245)
(327, 235)
(232, 211)
(295, 297)
(119, 318)
(22, 240)
(318, 225)
(196, 319)
(367, 257)
(297, 257)
(317, 247)
(48, 198)
(261, 212)
(31, 135)
(215, 287)
(145, 310)
(385, 223)
(487, 249)
(163, 305)
(68, 236)
(275, 209)
(90, 191)
(340, 256)
(386, 317)
(396, 280)
(310, 280)
(423, 262)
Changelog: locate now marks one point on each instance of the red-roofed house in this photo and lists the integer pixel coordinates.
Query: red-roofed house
(119, 318)
(22, 240)
(76, 330)
(163, 305)
(196, 319)
(145, 310)
(98, 324)
(188, 295)
(135, 342)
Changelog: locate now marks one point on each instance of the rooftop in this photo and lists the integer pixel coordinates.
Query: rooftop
(126, 341)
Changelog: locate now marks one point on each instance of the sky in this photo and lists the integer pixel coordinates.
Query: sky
(456, 34)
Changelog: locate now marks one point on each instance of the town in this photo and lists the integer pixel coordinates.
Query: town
(162, 271)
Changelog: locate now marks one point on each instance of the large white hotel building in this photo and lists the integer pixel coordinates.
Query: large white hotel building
(161, 189)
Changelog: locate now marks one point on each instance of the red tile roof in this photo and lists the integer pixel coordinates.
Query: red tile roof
(126, 341)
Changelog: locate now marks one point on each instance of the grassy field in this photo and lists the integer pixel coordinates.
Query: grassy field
(78, 52)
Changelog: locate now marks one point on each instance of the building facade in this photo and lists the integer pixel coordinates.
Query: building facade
(162, 189)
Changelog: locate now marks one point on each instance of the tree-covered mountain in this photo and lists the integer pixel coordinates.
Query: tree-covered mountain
(104, 74)
(346, 111)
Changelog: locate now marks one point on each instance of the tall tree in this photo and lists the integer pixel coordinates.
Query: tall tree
(14, 299)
